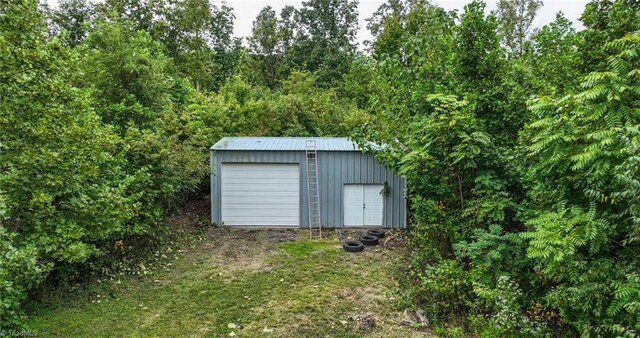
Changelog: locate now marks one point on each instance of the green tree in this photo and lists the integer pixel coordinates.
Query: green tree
(359, 84)
(287, 25)
(311, 110)
(447, 108)
(130, 75)
(138, 93)
(479, 57)
(418, 64)
(198, 36)
(265, 47)
(583, 176)
(141, 14)
(605, 20)
(516, 18)
(74, 18)
(63, 191)
(553, 57)
(387, 27)
(325, 38)
(480, 70)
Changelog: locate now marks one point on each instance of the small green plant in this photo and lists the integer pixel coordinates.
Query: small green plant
(508, 317)
(386, 189)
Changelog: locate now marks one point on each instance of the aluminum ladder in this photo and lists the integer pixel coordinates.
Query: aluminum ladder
(313, 190)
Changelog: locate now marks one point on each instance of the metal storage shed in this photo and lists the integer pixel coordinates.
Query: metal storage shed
(262, 182)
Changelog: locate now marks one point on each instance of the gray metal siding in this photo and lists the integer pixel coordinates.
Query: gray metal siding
(336, 168)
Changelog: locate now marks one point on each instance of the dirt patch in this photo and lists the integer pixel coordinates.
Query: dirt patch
(244, 249)
(193, 214)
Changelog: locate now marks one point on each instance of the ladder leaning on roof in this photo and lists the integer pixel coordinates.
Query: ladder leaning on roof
(313, 190)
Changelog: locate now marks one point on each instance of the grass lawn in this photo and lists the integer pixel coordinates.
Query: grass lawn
(244, 283)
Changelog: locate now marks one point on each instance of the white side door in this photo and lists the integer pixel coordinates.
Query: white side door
(353, 207)
(363, 205)
(373, 205)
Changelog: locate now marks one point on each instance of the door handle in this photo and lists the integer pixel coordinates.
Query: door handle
(364, 206)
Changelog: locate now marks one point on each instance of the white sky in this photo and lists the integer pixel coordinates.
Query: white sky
(247, 10)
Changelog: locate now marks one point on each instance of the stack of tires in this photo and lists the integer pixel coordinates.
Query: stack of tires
(371, 238)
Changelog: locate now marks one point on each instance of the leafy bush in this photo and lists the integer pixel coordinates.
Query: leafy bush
(507, 319)
(446, 287)
(19, 272)
(493, 254)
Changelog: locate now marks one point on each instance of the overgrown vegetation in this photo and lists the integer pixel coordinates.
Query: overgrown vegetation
(521, 161)
(251, 283)
(520, 145)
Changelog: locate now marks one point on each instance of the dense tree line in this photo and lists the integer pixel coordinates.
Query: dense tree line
(520, 144)
(520, 148)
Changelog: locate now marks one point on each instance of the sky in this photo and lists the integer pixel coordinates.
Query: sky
(247, 10)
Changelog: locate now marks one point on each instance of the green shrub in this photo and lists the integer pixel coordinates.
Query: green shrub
(505, 302)
(19, 272)
(443, 289)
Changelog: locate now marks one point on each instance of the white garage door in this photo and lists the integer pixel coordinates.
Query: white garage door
(363, 205)
(260, 194)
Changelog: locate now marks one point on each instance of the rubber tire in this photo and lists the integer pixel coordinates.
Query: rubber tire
(369, 240)
(377, 233)
(352, 246)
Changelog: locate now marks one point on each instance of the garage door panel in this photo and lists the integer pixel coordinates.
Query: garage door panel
(257, 207)
(259, 166)
(250, 224)
(280, 186)
(250, 199)
(260, 194)
(259, 174)
(248, 220)
(266, 213)
(265, 184)
(251, 218)
(271, 186)
(282, 176)
(253, 202)
(263, 194)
